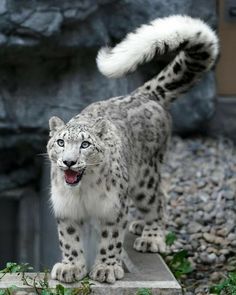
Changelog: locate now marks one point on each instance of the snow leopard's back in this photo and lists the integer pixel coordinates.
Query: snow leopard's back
(144, 125)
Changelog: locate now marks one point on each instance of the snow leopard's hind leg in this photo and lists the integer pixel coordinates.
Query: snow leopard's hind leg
(136, 227)
(150, 201)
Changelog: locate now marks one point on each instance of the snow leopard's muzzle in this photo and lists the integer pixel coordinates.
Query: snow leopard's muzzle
(73, 177)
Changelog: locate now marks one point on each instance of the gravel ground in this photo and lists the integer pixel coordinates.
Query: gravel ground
(200, 181)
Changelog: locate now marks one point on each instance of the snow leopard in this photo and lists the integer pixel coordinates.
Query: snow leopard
(112, 151)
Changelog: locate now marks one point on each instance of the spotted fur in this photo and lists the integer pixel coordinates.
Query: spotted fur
(127, 139)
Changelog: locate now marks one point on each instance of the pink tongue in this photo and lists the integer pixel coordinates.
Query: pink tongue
(71, 176)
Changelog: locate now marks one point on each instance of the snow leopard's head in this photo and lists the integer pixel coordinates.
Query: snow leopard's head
(76, 147)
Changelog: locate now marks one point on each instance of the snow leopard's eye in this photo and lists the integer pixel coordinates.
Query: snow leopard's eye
(85, 144)
(60, 142)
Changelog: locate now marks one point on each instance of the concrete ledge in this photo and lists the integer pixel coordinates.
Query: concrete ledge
(148, 271)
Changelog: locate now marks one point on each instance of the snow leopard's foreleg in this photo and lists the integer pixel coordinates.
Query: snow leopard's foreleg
(108, 265)
(73, 265)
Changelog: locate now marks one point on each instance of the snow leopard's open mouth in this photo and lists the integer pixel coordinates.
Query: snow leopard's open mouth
(73, 177)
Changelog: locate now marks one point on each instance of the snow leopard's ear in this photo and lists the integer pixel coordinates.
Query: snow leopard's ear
(101, 126)
(55, 124)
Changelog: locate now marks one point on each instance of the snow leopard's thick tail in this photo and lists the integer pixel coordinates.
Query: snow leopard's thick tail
(195, 44)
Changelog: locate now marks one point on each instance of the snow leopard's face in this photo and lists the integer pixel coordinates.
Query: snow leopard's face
(75, 147)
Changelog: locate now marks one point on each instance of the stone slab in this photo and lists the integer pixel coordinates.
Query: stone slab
(149, 271)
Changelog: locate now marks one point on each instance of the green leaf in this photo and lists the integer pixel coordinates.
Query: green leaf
(14, 287)
(232, 277)
(10, 264)
(227, 286)
(12, 267)
(179, 264)
(180, 256)
(144, 291)
(9, 291)
(46, 292)
(60, 290)
(71, 291)
(170, 238)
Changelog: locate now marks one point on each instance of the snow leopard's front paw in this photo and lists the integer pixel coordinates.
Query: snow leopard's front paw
(68, 273)
(154, 243)
(107, 273)
(136, 227)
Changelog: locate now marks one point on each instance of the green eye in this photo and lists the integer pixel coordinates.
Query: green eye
(85, 144)
(60, 142)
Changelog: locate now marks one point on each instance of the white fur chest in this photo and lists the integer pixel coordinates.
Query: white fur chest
(85, 200)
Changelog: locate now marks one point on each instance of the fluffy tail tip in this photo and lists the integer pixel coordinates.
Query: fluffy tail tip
(102, 60)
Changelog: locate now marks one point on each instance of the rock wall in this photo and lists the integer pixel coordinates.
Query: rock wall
(47, 67)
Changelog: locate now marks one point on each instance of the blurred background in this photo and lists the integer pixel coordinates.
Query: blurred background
(47, 67)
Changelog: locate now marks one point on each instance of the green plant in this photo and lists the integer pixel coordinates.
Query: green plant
(144, 291)
(12, 267)
(41, 284)
(170, 238)
(8, 291)
(227, 286)
(178, 262)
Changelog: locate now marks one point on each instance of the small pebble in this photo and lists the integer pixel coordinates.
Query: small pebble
(208, 237)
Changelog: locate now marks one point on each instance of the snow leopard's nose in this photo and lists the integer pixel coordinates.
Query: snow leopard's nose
(69, 163)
